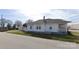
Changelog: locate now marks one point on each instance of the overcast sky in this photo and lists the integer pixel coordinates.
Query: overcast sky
(36, 9)
(23, 15)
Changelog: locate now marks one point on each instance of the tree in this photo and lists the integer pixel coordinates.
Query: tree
(14, 26)
(18, 24)
(29, 21)
(8, 26)
(9, 22)
(2, 23)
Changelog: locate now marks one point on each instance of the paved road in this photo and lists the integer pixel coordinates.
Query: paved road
(13, 41)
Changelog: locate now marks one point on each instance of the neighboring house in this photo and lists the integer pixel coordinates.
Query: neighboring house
(47, 26)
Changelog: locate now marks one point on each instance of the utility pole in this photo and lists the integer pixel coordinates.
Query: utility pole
(2, 23)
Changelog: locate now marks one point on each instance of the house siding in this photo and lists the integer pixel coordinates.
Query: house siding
(44, 28)
(54, 28)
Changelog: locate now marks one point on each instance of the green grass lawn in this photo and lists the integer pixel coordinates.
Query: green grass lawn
(70, 38)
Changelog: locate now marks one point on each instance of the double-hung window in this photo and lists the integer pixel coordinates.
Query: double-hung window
(30, 27)
(38, 27)
(50, 28)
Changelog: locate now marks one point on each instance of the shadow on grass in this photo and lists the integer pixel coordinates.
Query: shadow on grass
(70, 37)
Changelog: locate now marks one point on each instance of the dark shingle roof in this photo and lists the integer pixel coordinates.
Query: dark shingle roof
(41, 21)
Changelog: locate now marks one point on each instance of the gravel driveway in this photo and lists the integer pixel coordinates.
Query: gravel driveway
(13, 41)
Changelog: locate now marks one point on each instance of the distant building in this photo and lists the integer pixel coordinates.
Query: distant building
(74, 26)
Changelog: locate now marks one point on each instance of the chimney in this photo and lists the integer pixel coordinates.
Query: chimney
(44, 20)
(43, 17)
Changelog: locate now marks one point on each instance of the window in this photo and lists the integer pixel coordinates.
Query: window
(30, 27)
(39, 27)
(62, 26)
(50, 28)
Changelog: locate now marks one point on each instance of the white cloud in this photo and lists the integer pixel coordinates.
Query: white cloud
(35, 9)
(33, 13)
(54, 13)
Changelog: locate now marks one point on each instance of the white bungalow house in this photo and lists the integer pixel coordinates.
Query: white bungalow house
(58, 26)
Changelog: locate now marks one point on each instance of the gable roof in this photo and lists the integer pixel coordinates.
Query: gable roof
(41, 21)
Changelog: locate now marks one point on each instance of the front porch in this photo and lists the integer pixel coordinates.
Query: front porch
(63, 28)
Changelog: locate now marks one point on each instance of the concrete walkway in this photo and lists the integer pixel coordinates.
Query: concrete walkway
(13, 41)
